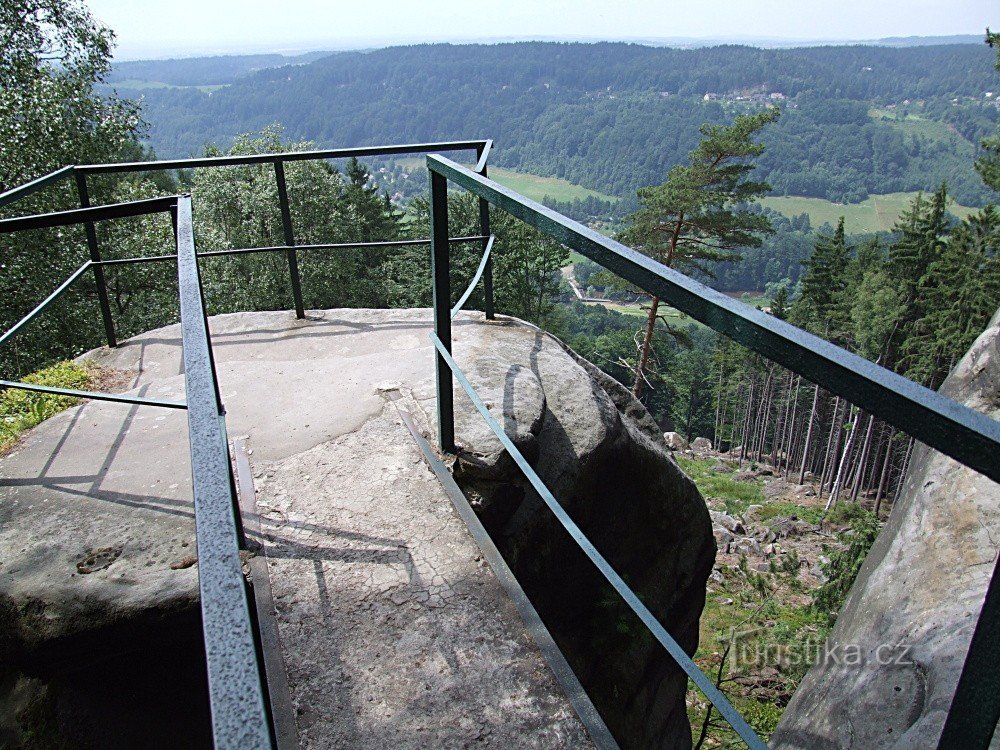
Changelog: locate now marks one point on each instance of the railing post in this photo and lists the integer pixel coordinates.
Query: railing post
(286, 225)
(484, 230)
(440, 274)
(95, 255)
(972, 718)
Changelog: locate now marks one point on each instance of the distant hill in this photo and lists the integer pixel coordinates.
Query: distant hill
(927, 41)
(858, 119)
(204, 71)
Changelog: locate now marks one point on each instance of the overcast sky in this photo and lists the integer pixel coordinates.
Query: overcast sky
(147, 29)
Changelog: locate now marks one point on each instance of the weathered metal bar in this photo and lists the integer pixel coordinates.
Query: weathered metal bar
(229, 161)
(441, 275)
(975, 707)
(475, 279)
(92, 395)
(484, 228)
(130, 261)
(91, 213)
(95, 255)
(564, 674)
(943, 424)
(286, 226)
(666, 640)
(40, 307)
(282, 248)
(23, 191)
(278, 693)
(239, 718)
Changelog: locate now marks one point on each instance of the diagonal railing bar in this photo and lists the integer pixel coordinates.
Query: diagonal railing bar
(93, 213)
(666, 640)
(23, 191)
(475, 279)
(943, 424)
(484, 156)
(40, 307)
(120, 398)
(239, 717)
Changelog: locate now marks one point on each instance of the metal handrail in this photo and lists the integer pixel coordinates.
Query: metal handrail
(962, 433)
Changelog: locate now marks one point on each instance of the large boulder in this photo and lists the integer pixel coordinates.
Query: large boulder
(675, 441)
(910, 615)
(605, 460)
(701, 445)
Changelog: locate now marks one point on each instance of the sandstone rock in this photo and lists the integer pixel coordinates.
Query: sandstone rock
(675, 441)
(606, 462)
(727, 521)
(752, 513)
(922, 585)
(722, 536)
(701, 445)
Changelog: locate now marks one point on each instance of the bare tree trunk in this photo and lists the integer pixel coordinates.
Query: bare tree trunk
(809, 432)
(832, 447)
(866, 446)
(885, 472)
(838, 481)
(791, 442)
(746, 423)
(647, 343)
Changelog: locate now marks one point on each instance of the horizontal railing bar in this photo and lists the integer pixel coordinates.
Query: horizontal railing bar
(280, 248)
(92, 395)
(475, 279)
(94, 213)
(40, 308)
(22, 191)
(229, 161)
(666, 640)
(966, 435)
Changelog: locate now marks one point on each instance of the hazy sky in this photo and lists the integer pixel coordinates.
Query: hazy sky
(147, 29)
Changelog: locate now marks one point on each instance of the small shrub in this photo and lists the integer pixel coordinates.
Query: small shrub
(22, 410)
(846, 513)
(845, 563)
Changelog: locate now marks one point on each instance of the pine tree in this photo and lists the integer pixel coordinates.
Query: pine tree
(696, 214)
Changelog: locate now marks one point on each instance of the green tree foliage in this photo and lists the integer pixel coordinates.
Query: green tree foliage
(820, 307)
(238, 207)
(53, 54)
(696, 214)
(526, 263)
(988, 165)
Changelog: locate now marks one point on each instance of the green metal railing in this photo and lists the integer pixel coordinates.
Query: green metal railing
(966, 435)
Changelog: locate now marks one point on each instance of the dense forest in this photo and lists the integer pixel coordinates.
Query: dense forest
(857, 120)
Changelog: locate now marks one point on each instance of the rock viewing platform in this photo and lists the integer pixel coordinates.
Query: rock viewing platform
(393, 629)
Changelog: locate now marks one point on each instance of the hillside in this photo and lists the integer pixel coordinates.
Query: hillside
(858, 120)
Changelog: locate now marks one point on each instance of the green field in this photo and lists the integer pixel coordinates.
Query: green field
(537, 188)
(877, 213)
(136, 84)
(531, 185)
